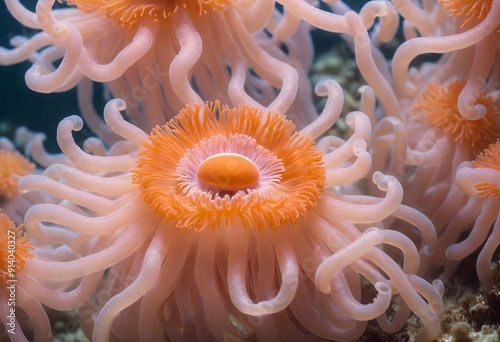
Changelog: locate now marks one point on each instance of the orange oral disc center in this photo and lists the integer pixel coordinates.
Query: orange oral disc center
(228, 172)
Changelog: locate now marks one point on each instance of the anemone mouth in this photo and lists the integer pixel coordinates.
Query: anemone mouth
(228, 166)
(439, 102)
(129, 13)
(472, 12)
(213, 166)
(12, 167)
(9, 232)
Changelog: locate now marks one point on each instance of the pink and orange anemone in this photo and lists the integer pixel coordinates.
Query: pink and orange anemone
(15, 248)
(12, 167)
(236, 166)
(440, 105)
(221, 218)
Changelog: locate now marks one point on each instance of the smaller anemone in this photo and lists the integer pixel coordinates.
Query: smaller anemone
(446, 139)
(439, 102)
(489, 159)
(480, 180)
(10, 235)
(13, 166)
(15, 251)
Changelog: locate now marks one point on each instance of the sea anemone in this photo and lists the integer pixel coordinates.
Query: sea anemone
(226, 223)
(480, 179)
(13, 166)
(425, 151)
(457, 140)
(15, 250)
(468, 55)
(158, 56)
(20, 247)
(439, 103)
(230, 174)
(434, 116)
(488, 159)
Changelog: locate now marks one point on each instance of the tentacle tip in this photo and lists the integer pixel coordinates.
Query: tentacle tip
(376, 235)
(464, 179)
(377, 175)
(24, 135)
(472, 112)
(21, 185)
(394, 121)
(382, 287)
(75, 122)
(59, 28)
(54, 171)
(454, 252)
(359, 145)
(322, 281)
(438, 285)
(323, 87)
(364, 89)
(382, 10)
(90, 144)
(351, 117)
(119, 104)
(37, 69)
(358, 151)
(427, 251)
(16, 41)
(350, 14)
(383, 181)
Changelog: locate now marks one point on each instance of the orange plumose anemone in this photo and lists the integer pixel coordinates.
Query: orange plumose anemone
(489, 159)
(222, 218)
(480, 179)
(12, 167)
(439, 103)
(447, 140)
(15, 292)
(229, 166)
(15, 248)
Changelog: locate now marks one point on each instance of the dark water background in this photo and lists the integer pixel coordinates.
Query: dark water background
(20, 105)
